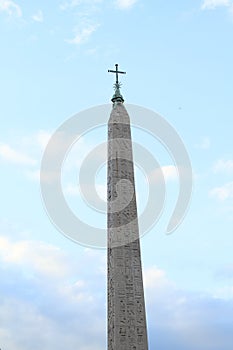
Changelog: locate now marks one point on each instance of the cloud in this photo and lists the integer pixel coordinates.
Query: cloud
(72, 190)
(169, 173)
(155, 278)
(223, 166)
(70, 4)
(76, 155)
(205, 143)
(213, 4)
(86, 13)
(45, 302)
(38, 257)
(74, 3)
(11, 8)
(33, 175)
(82, 35)
(43, 137)
(225, 293)
(101, 190)
(222, 193)
(7, 153)
(184, 320)
(125, 4)
(35, 142)
(42, 307)
(226, 272)
(38, 16)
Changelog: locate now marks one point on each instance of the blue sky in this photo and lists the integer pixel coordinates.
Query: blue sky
(54, 61)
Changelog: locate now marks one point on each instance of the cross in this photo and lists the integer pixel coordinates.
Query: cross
(117, 72)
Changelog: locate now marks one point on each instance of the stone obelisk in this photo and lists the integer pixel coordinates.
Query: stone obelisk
(126, 305)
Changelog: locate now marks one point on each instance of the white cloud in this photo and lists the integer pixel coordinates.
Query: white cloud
(9, 154)
(102, 191)
(205, 143)
(169, 173)
(74, 3)
(71, 166)
(36, 143)
(225, 272)
(224, 293)
(33, 175)
(125, 4)
(72, 190)
(87, 12)
(68, 309)
(223, 166)
(11, 8)
(38, 16)
(82, 35)
(213, 4)
(155, 278)
(44, 300)
(183, 319)
(43, 137)
(222, 193)
(39, 257)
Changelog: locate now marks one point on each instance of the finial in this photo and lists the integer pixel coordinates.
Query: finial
(117, 97)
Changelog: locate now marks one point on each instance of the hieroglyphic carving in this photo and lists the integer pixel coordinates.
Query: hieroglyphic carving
(126, 307)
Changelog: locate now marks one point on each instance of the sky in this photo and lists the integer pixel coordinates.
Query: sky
(54, 61)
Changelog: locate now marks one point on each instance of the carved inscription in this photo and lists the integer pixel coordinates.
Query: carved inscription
(126, 306)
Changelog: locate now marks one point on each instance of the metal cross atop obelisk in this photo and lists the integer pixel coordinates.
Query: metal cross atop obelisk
(117, 95)
(126, 305)
(116, 72)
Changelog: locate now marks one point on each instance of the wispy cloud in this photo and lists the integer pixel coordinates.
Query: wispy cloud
(224, 293)
(82, 35)
(42, 137)
(72, 190)
(75, 3)
(11, 8)
(102, 191)
(86, 14)
(213, 4)
(125, 4)
(40, 257)
(38, 16)
(7, 153)
(225, 272)
(18, 154)
(223, 166)
(222, 193)
(70, 4)
(169, 173)
(33, 175)
(204, 144)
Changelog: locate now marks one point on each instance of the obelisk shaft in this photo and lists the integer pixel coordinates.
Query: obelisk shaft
(126, 306)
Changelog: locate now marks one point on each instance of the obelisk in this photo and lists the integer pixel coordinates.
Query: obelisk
(126, 305)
